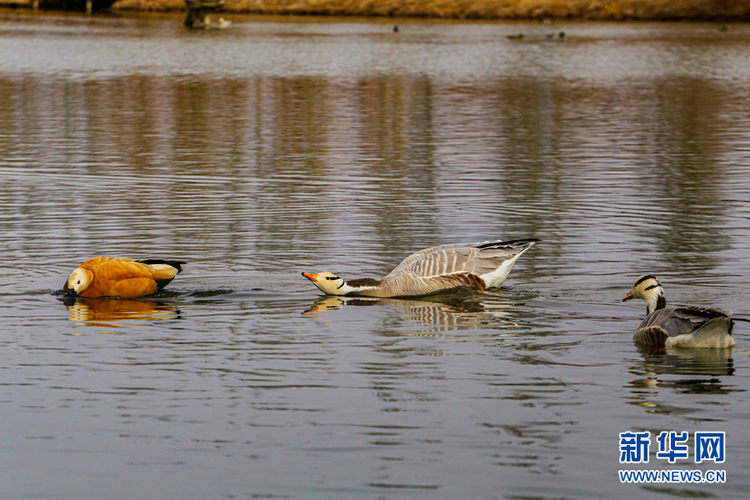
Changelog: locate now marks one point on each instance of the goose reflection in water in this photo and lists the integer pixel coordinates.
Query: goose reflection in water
(712, 362)
(442, 312)
(701, 371)
(118, 313)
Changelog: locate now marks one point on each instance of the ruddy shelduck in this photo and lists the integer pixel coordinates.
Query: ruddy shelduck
(120, 277)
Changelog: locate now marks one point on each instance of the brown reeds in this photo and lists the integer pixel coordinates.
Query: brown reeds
(734, 10)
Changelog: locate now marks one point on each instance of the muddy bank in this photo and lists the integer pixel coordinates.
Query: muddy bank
(657, 10)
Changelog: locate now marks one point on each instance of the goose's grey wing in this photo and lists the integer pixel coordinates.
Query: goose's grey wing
(406, 284)
(680, 320)
(431, 256)
(477, 258)
(437, 261)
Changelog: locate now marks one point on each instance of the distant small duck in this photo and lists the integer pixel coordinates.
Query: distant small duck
(473, 265)
(689, 326)
(119, 277)
(206, 24)
(560, 35)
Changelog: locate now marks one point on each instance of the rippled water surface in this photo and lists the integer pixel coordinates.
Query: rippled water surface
(282, 145)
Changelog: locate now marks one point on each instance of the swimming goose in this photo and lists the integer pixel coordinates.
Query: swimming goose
(475, 265)
(678, 326)
(119, 277)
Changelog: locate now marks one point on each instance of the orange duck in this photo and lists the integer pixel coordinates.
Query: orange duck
(120, 277)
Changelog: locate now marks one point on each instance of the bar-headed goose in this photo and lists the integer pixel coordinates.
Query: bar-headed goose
(689, 326)
(120, 277)
(473, 265)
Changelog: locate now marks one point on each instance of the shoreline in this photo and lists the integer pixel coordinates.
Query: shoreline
(600, 10)
(736, 11)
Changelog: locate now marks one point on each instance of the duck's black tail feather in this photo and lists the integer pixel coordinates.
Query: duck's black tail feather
(177, 264)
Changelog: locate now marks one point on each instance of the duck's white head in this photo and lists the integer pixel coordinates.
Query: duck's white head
(649, 289)
(328, 283)
(79, 281)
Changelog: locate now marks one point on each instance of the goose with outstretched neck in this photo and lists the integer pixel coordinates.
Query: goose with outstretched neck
(471, 265)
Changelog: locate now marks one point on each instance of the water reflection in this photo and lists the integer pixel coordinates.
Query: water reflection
(645, 393)
(658, 371)
(684, 182)
(438, 313)
(683, 361)
(280, 156)
(118, 313)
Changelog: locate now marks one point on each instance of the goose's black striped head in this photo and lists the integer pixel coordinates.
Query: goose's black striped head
(648, 288)
(328, 283)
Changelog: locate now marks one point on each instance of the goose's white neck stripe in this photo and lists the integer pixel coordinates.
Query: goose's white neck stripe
(655, 299)
(346, 288)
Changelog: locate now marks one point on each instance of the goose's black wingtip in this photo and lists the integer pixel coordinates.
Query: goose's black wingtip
(526, 242)
(509, 243)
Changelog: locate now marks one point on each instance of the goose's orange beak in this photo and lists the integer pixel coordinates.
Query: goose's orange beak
(627, 297)
(311, 276)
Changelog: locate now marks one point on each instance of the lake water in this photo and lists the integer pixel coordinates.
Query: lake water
(282, 145)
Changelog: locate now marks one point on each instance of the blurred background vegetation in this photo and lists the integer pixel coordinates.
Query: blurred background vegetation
(734, 10)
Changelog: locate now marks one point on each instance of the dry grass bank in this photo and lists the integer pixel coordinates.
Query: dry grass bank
(735, 10)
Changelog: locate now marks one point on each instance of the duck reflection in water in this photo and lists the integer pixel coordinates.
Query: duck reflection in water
(114, 313)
